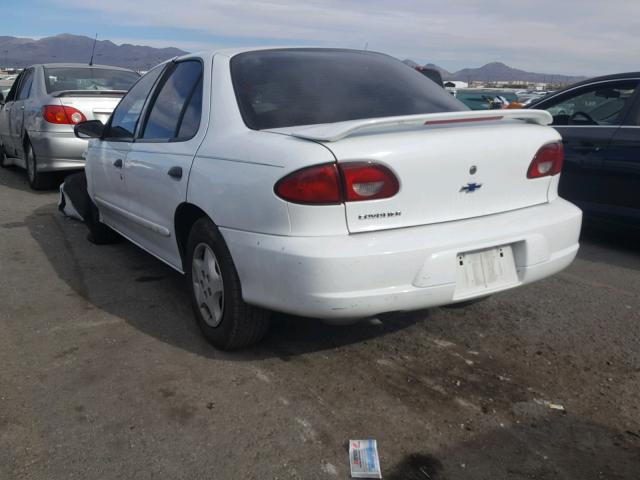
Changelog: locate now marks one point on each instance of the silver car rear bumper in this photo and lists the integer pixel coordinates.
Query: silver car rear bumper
(57, 151)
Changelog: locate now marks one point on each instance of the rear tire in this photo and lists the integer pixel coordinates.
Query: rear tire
(216, 295)
(37, 180)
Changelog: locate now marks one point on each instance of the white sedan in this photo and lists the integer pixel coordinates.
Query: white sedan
(335, 184)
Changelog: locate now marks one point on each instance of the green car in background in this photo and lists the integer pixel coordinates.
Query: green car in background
(483, 99)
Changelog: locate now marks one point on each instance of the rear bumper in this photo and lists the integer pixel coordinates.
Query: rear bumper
(57, 151)
(358, 275)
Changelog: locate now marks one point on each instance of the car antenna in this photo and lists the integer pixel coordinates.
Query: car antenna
(93, 50)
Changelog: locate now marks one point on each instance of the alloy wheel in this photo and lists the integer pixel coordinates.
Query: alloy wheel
(208, 286)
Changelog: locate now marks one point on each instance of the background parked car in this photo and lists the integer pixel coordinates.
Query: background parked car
(599, 120)
(43, 105)
(480, 99)
(5, 87)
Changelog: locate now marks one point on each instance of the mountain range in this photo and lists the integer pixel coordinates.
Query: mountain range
(20, 52)
(497, 71)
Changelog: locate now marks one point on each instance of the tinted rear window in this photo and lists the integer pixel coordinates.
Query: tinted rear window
(78, 78)
(283, 88)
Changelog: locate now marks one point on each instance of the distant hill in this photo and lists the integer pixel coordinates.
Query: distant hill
(497, 71)
(21, 52)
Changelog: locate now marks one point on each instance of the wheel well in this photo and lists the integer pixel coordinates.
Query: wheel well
(186, 215)
(25, 140)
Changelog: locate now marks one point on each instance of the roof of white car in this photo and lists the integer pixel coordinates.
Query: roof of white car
(231, 52)
(78, 65)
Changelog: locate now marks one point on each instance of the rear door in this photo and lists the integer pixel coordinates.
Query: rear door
(159, 161)
(621, 170)
(5, 117)
(106, 172)
(587, 118)
(16, 120)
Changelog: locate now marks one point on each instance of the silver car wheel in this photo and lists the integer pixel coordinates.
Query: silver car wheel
(208, 287)
(31, 165)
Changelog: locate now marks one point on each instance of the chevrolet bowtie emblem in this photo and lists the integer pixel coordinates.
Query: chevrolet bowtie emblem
(470, 187)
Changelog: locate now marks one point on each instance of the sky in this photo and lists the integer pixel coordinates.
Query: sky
(581, 37)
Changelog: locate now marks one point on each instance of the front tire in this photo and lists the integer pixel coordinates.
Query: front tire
(37, 180)
(216, 295)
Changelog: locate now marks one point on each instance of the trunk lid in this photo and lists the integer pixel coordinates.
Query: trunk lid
(449, 168)
(94, 105)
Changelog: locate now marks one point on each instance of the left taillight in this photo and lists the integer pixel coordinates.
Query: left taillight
(330, 184)
(62, 115)
(547, 161)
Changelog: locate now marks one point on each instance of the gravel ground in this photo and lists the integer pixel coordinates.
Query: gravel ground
(104, 374)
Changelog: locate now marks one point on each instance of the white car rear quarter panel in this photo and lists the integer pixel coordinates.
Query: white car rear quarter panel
(235, 171)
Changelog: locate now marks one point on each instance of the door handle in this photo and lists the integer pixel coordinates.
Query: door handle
(587, 148)
(118, 163)
(175, 172)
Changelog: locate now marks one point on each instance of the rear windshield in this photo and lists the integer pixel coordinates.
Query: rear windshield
(283, 88)
(78, 78)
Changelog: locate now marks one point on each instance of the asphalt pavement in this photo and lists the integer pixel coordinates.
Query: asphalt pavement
(104, 374)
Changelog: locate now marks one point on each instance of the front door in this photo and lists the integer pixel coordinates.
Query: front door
(106, 165)
(159, 162)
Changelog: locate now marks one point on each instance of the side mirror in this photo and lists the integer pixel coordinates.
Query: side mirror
(89, 129)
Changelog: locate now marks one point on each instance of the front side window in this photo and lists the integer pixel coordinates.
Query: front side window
(178, 102)
(58, 79)
(290, 87)
(601, 104)
(125, 117)
(25, 85)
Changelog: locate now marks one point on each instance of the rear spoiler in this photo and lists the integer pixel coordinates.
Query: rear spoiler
(332, 132)
(88, 93)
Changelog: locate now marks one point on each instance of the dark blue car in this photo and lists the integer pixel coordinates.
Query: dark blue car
(599, 120)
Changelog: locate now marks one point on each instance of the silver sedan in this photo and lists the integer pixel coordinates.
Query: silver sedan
(39, 112)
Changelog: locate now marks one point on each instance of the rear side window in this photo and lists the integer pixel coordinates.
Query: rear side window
(282, 88)
(191, 120)
(25, 85)
(178, 102)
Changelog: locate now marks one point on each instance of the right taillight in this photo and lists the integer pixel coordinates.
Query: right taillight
(548, 161)
(330, 184)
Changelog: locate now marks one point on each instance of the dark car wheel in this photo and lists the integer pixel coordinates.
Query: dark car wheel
(37, 180)
(216, 296)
